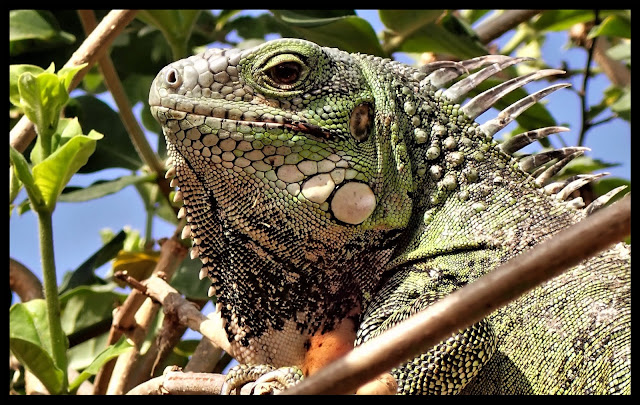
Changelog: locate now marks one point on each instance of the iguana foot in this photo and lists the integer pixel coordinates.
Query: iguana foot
(267, 379)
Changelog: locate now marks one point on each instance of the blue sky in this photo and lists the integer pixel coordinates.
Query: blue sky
(76, 225)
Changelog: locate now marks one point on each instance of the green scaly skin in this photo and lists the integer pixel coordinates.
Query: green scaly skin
(317, 182)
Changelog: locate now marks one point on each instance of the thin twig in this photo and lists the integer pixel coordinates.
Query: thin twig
(113, 83)
(602, 121)
(91, 49)
(583, 94)
(497, 25)
(473, 302)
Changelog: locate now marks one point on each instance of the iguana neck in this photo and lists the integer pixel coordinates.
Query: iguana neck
(477, 198)
(472, 195)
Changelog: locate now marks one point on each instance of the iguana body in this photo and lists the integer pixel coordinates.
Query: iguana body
(328, 191)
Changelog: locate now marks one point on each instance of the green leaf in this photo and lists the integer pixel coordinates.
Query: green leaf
(53, 173)
(175, 25)
(609, 183)
(120, 347)
(621, 51)
(186, 347)
(29, 29)
(138, 265)
(473, 15)
(186, 280)
(224, 16)
(21, 169)
(66, 74)
(84, 274)
(82, 354)
(83, 308)
(42, 98)
(67, 129)
(312, 18)
(14, 73)
(102, 188)
(118, 151)
(92, 81)
(584, 165)
(153, 199)
(347, 32)
(429, 31)
(614, 25)
(560, 20)
(133, 242)
(622, 106)
(15, 185)
(407, 22)
(30, 342)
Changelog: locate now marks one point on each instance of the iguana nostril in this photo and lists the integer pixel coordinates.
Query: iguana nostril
(173, 78)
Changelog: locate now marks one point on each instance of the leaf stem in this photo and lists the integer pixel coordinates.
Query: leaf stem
(58, 338)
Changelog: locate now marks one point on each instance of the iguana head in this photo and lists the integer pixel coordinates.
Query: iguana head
(291, 168)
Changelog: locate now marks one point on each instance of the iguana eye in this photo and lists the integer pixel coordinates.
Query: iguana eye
(285, 73)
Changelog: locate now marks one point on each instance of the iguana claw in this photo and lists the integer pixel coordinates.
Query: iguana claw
(267, 379)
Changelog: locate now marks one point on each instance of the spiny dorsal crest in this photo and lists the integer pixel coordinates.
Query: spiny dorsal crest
(542, 166)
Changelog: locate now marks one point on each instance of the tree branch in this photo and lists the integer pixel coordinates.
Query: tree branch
(497, 25)
(23, 282)
(185, 311)
(179, 383)
(473, 302)
(131, 313)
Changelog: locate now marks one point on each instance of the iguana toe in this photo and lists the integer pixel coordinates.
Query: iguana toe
(267, 379)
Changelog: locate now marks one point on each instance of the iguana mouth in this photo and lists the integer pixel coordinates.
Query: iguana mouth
(314, 131)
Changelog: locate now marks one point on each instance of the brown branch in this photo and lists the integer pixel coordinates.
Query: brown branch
(616, 71)
(91, 49)
(472, 302)
(125, 363)
(123, 320)
(497, 25)
(187, 312)
(204, 358)
(166, 339)
(23, 282)
(179, 383)
(172, 252)
(128, 316)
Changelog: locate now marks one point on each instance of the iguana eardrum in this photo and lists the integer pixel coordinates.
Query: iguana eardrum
(327, 192)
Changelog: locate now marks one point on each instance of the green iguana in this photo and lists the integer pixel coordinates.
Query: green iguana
(327, 192)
